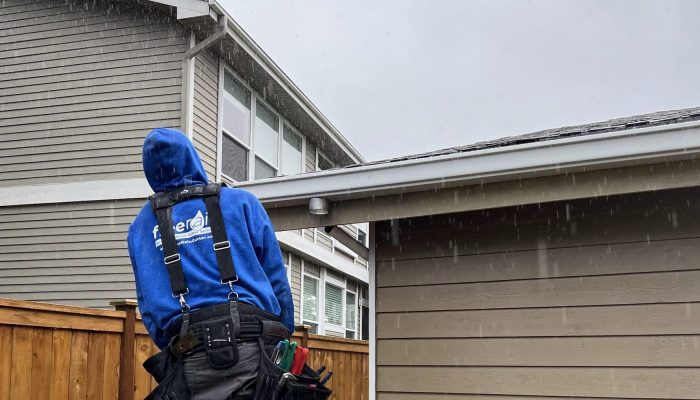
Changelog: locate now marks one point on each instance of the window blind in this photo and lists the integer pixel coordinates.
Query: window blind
(334, 305)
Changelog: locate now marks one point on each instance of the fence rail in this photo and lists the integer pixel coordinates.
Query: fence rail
(51, 351)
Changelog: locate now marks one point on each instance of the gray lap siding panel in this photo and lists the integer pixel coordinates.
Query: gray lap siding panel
(590, 298)
(71, 254)
(81, 84)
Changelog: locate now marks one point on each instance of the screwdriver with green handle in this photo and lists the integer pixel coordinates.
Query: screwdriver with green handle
(288, 357)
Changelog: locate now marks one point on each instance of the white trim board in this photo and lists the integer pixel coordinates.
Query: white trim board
(321, 256)
(372, 313)
(71, 192)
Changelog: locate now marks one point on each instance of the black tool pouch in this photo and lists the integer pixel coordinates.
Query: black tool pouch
(168, 371)
(269, 375)
(306, 386)
(221, 346)
(160, 364)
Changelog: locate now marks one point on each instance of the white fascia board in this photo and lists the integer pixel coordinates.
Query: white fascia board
(70, 192)
(321, 256)
(248, 44)
(187, 8)
(639, 146)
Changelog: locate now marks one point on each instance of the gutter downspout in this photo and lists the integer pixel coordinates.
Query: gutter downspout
(187, 95)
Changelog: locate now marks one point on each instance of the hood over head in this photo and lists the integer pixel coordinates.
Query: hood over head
(170, 161)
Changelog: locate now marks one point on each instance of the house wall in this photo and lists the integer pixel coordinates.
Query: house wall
(67, 253)
(582, 299)
(81, 85)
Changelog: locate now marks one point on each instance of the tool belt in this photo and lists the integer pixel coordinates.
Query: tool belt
(205, 322)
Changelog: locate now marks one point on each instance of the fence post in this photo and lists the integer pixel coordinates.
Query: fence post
(304, 330)
(126, 364)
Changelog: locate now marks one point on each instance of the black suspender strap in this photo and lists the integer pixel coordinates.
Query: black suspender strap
(227, 271)
(172, 257)
(162, 203)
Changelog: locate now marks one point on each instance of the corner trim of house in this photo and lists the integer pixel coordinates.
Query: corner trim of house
(372, 314)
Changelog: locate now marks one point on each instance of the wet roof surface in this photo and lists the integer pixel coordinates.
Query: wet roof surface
(614, 125)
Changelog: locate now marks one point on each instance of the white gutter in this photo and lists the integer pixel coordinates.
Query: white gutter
(187, 8)
(244, 40)
(638, 146)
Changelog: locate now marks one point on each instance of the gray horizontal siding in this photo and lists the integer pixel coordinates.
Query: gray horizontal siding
(67, 253)
(81, 84)
(594, 298)
(205, 109)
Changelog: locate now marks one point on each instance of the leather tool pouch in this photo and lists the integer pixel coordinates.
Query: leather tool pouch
(220, 342)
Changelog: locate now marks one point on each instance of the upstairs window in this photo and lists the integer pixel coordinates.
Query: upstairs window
(235, 143)
(266, 140)
(256, 141)
(291, 152)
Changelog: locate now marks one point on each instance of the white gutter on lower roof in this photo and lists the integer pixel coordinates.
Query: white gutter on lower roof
(635, 146)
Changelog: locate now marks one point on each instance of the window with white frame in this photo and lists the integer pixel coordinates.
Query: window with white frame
(266, 140)
(256, 142)
(291, 155)
(235, 143)
(309, 302)
(334, 305)
(350, 314)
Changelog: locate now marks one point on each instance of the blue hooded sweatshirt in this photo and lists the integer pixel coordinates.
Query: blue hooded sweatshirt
(170, 162)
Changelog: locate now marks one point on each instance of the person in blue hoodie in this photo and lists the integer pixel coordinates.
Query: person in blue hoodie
(211, 316)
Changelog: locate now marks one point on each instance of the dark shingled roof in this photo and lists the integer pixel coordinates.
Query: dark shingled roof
(596, 128)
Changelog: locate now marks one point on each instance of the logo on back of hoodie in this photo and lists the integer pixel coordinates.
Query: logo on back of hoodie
(189, 231)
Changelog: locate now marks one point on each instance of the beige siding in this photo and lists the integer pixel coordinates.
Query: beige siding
(295, 284)
(67, 253)
(81, 85)
(323, 240)
(205, 109)
(310, 162)
(593, 298)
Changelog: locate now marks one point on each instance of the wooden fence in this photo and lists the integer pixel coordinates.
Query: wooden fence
(59, 352)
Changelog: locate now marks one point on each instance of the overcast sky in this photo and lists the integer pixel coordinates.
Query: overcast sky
(400, 77)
